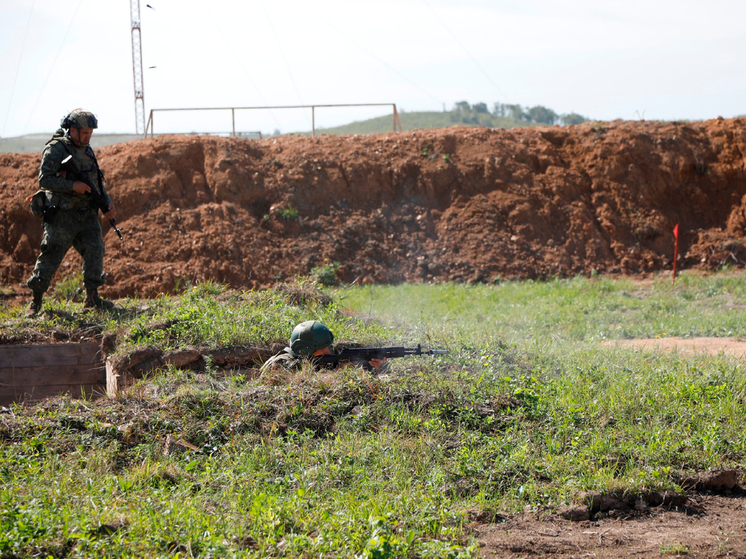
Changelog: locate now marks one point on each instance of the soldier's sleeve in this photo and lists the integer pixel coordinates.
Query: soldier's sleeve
(49, 177)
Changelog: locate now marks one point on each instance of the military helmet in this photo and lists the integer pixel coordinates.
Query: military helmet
(310, 336)
(79, 118)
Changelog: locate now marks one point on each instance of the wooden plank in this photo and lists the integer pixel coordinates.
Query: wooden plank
(36, 371)
(118, 380)
(52, 376)
(44, 355)
(10, 394)
(112, 380)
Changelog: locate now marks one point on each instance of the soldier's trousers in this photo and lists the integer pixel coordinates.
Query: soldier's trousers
(70, 228)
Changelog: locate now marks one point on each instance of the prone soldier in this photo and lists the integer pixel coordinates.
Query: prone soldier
(310, 340)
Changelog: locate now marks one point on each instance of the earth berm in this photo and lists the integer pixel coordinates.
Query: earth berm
(455, 204)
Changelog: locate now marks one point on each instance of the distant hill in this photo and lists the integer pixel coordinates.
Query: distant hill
(32, 143)
(463, 114)
(424, 119)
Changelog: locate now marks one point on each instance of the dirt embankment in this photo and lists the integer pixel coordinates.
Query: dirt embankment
(462, 204)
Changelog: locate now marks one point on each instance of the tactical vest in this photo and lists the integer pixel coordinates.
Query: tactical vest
(86, 160)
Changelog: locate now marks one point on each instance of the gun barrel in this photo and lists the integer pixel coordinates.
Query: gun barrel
(362, 356)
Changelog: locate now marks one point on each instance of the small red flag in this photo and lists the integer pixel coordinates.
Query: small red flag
(675, 250)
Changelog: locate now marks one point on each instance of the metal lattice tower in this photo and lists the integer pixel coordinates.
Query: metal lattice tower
(137, 67)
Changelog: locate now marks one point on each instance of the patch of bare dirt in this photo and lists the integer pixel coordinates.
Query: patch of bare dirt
(455, 204)
(708, 526)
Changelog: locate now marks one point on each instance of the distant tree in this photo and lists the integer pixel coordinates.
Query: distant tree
(514, 111)
(572, 118)
(542, 115)
(480, 108)
(462, 107)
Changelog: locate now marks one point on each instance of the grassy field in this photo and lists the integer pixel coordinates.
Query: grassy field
(424, 120)
(34, 143)
(526, 411)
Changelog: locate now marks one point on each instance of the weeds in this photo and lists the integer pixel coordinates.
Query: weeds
(70, 288)
(327, 274)
(525, 411)
(288, 214)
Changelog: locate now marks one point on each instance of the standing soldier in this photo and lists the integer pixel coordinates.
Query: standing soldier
(71, 214)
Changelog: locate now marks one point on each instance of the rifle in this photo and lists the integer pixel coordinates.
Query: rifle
(98, 197)
(362, 356)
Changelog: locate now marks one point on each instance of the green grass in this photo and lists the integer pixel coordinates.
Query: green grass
(526, 411)
(576, 309)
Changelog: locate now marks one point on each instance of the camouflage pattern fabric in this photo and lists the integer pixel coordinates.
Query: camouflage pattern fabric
(59, 187)
(70, 228)
(80, 118)
(285, 359)
(75, 224)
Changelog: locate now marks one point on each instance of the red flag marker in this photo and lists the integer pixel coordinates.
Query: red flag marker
(675, 250)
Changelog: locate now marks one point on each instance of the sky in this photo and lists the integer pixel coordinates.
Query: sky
(631, 60)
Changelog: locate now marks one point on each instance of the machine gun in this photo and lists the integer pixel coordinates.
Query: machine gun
(70, 164)
(362, 356)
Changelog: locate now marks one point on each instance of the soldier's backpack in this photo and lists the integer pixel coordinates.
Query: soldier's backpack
(41, 206)
(38, 203)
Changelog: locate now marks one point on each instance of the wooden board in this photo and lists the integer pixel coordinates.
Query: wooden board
(10, 394)
(37, 371)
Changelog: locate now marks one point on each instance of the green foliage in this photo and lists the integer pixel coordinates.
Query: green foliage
(288, 214)
(70, 288)
(537, 115)
(542, 115)
(326, 274)
(417, 120)
(572, 118)
(574, 309)
(526, 410)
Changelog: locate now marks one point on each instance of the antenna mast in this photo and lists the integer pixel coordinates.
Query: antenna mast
(137, 67)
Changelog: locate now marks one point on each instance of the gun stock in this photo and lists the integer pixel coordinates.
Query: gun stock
(71, 165)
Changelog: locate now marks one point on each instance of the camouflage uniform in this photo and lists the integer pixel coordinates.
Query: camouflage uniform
(75, 223)
(284, 359)
(307, 338)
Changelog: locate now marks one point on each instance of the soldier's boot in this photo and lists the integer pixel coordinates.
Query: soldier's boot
(93, 301)
(35, 305)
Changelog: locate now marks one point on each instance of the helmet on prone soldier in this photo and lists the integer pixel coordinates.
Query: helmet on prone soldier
(79, 118)
(310, 336)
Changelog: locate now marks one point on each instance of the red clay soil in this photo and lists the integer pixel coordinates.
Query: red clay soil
(455, 204)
